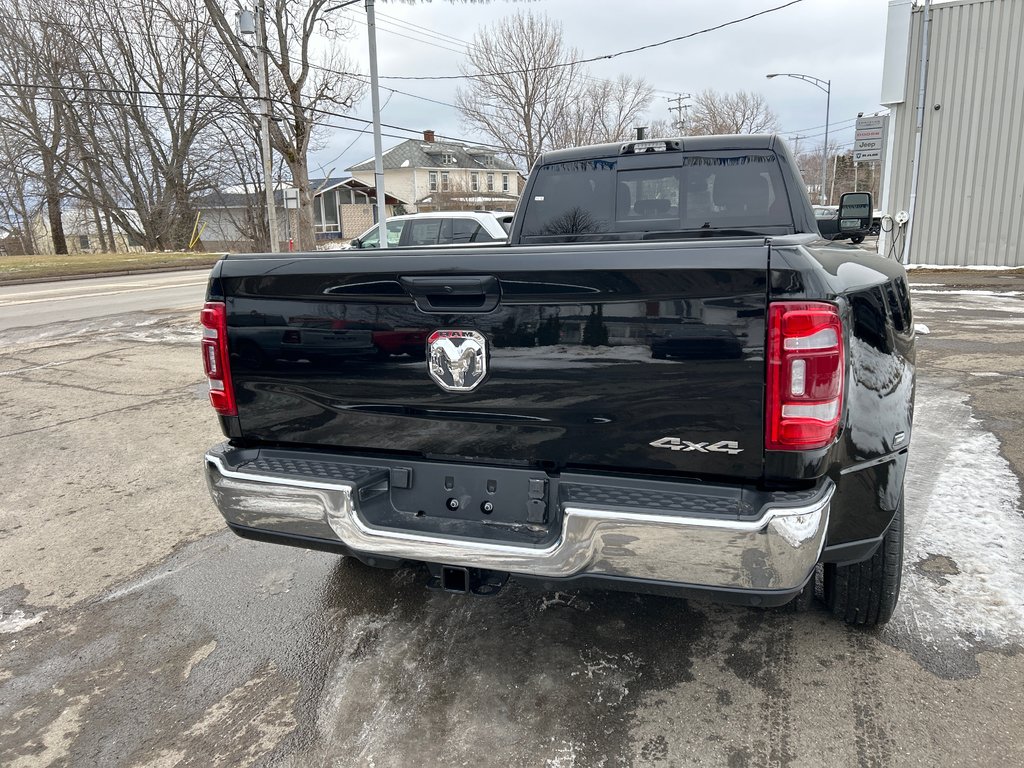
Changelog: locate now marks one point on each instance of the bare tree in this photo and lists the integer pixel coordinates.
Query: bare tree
(307, 81)
(527, 93)
(662, 129)
(18, 193)
(32, 103)
(524, 81)
(141, 122)
(740, 112)
(608, 110)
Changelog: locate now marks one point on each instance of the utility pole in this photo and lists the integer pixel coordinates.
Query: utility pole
(247, 25)
(268, 159)
(680, 123)
(378, 152)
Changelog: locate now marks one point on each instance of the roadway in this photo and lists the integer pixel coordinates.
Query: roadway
(135, 630)
(37, 304)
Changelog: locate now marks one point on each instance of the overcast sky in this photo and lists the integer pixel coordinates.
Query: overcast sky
(837, 40)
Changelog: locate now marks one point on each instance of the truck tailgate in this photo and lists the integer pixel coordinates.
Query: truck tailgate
(627, 357)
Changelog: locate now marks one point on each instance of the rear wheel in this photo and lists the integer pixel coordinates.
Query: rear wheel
(857, 239)
(866, 593)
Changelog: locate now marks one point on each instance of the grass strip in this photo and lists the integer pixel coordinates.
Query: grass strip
(48, 267)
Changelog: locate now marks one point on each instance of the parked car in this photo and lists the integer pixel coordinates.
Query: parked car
(438, 228)
(827, 217)
(504, 218)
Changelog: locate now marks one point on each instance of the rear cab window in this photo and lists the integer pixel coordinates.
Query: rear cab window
(650, 195)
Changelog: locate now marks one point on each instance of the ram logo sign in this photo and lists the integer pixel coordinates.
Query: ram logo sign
(456, 359)
(678, 444)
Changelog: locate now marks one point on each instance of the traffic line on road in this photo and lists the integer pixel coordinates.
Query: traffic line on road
(5, 303)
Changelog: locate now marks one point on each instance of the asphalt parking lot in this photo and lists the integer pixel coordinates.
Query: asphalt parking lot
(136, 631)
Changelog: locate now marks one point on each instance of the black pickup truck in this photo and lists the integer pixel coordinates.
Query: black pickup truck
(666, 382)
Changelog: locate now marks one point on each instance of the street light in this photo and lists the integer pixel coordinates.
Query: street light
(826, 86)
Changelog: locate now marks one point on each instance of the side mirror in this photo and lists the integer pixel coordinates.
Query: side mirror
(855, 212)
(355, 242)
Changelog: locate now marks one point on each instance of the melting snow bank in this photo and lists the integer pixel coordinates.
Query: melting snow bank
(17, 620)
(973, 268)
(965, 292)
(963, 580)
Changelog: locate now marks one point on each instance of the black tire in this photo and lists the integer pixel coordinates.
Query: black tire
(803, 601)
(856, 239)
(866, 593)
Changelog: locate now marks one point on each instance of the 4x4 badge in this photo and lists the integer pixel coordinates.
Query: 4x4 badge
(457, 360)
(677, 444)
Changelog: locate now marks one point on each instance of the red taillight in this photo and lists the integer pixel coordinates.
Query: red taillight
(804, 401)
(214, 319)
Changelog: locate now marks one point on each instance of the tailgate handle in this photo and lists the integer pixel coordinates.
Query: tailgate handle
(453, 294)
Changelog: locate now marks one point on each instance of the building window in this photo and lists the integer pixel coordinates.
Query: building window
(444, 181)
(447, 158)
(432, 177)
(328, 213)
(83, 242)
(490, 182)
(504, 182)
(474, 182)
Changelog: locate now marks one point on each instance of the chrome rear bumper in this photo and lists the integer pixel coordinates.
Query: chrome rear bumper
(774, 551)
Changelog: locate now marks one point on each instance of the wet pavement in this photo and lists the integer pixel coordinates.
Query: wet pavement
(135, 631)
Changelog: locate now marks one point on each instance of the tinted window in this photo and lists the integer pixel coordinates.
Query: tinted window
(424, 232)
(466, 231)
(694, 192)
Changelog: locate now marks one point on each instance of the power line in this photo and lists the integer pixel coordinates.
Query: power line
(110, 103)
(227, 97)
(603, 57)
(469, 46)
(408, 37)
(362, 132)
(831, 126)
(178, 38)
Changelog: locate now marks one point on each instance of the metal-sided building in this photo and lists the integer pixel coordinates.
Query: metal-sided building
(969, 202)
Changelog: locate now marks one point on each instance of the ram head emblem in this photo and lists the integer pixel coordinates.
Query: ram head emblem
(457, 360)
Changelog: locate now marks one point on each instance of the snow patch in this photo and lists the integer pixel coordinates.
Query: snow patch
(974, 268)
(30, 368)
(963, 503)
(17, 620)
(565, 756)
(921, 328)
(966, 292)
(334, 245)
